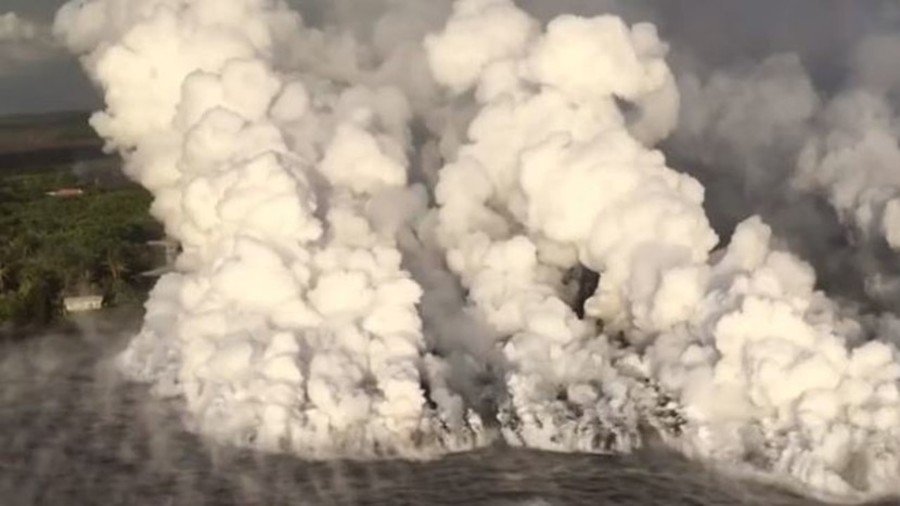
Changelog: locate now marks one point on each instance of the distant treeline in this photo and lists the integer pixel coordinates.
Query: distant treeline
(52, 157)
(30, 137)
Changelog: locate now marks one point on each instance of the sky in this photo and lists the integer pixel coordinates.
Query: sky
(702, 32)
(44, 78)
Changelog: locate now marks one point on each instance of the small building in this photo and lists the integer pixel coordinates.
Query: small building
(82, 304)
(66, 193)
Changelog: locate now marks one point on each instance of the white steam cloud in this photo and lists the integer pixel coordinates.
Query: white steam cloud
(855, 155)
(14, 28)
(380, 231)
(769, 138)
(22, 42)
(518, 207)
(291, 324)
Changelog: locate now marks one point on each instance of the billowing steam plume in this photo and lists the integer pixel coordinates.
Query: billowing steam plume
(855, 156)
(763, 138)
(391, 246)
(291, 324)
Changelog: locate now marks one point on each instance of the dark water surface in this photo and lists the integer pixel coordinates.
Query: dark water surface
(72, 433)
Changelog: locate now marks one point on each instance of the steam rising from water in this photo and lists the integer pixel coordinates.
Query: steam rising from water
(379, 238)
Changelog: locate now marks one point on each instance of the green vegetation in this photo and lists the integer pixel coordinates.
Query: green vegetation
(51, 247)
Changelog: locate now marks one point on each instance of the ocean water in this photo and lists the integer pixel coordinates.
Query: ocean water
(72, 432)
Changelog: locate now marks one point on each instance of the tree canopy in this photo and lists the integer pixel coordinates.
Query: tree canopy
(51, 247)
